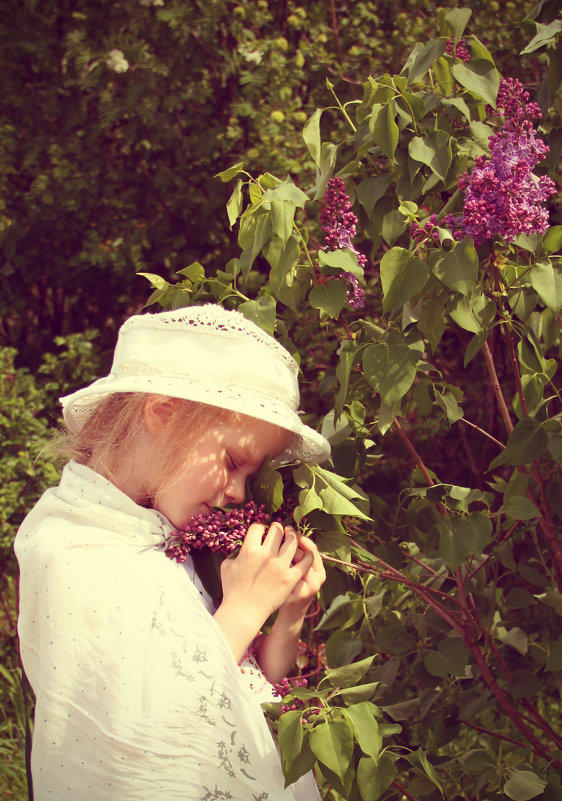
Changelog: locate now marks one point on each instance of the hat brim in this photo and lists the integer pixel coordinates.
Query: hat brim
(308, 445)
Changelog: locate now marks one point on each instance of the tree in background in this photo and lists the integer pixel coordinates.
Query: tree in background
(116, 115)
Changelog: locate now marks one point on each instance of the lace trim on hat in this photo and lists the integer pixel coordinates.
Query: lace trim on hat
(215, 320)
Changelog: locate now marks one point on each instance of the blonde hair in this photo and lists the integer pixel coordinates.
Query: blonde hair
(111, 431)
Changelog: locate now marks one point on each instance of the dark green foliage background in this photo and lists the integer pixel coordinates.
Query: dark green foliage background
(105, 174)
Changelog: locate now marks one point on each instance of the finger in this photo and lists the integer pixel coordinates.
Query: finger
(298, 556)
(274, 538)
(288, 548)
(253, 537)
(301, 568)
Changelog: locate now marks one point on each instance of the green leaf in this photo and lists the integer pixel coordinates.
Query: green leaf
(479, 77)
(340, 260)
(332, 744)
(554, 661)
(527, 442)
(346, 356)
(459, 104)
(425, 58)
(546, 280)
(458, 269)
(349, 675)
(230, 173)
(402, 276)
(282, 219)
(287, 191)
(363, 692)
(390, 369)
(361, 718)
(290, 737)
(374, 776)
(519, 598)
(544, 35)
(268, 487)
(552, 239)
(448, 403)
(261, 312)
(472, 313)
(392, 226)
(235, 203)
(329, 298)
(343, 613)
(385, 130)
(434, 150)
(479, 50)
(461, 537)
(429, 769)
(516, 638)
(194, 272)
(311, 135)
(370, 190)
(327, 491)
(523, 784)
(432, 320)
(156, 280)
(451, 658)
(457, 20)
(520, 508)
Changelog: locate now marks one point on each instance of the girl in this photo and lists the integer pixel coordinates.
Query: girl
(144, 691)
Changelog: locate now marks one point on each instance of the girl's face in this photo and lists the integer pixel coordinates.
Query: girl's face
(216, 467)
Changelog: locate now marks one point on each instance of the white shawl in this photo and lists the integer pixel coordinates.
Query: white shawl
(139, 697)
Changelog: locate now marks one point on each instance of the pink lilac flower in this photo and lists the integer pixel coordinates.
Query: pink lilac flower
(283, 687)
(503, 197)
(222, 531)
(339, 224)
(426, 231)
(461, 51)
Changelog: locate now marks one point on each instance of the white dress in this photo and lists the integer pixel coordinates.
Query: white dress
(138, 696)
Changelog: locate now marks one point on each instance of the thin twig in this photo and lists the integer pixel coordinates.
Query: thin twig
(492, 733)
(484, 433)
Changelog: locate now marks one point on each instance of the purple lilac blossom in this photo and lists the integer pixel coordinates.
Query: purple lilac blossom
(503, 196)
(461, 51)
(339, 224)
(425, 230)
(222, 531)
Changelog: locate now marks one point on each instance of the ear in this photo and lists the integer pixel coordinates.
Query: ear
(158, 412)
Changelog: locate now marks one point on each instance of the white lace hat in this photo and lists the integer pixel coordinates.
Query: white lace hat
(210, 355)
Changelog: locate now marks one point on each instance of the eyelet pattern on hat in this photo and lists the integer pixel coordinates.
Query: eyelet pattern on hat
(209, 355)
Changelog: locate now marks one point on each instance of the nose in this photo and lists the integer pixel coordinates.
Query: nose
(235, 491)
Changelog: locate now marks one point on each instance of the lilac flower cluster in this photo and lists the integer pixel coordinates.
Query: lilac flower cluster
(222, 531)
(339, 224)
(461, 51)
(427, 230)
(503, 196)
(283, 687)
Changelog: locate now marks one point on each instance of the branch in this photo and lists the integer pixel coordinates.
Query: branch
(492, 733)
(402, 789)
(417, 458)
(496, 387)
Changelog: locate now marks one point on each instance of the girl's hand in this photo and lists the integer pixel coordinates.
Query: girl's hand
(307, 588)
(259, 581)
(276, 652)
